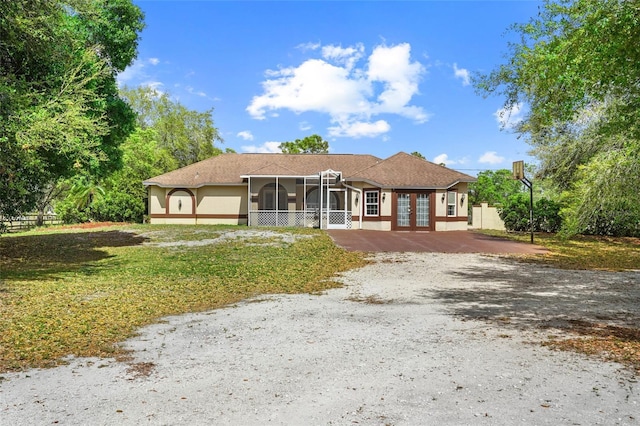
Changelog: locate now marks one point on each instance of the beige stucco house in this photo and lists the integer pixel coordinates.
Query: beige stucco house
(347, 191)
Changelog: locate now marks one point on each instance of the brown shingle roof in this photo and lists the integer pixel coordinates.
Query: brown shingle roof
(400, 170)
(403, 170)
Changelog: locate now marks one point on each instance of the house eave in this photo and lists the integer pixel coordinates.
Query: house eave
(408, 187)
(279, 176)
(188, 185)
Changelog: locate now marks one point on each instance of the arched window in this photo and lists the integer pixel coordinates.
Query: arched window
(267, 198)
(314, 203)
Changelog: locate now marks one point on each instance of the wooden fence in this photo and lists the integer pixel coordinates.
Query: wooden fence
(29, 221)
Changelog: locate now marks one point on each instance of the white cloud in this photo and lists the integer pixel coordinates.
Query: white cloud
(350, 95)
(192, 91)
(359, 129)
(246, 135)
(155, 86)
(462, 74)
(132, 72)
(509, 118)
(309, 46)
(347, 56)
(491, 157)
(304, 126)
(442, 159)
(136, 71)
(265, 148)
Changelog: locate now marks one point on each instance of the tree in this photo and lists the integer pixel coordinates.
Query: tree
(188, 135)
(60, 113)
(125, 196)
(417, 154)
(168, 136)
(575, 69)
(313, 144)
(493, 187)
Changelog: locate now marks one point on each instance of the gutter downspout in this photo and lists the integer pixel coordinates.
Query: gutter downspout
(359, 204)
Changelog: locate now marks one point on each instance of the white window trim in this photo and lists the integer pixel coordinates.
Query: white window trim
(377, 203)
(454, 204)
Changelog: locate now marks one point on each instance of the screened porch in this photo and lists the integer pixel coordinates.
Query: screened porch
(316, 201)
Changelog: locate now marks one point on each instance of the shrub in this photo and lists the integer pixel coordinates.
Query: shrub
(515, 214)
(119, 207)
(68, 212)
(546, 215)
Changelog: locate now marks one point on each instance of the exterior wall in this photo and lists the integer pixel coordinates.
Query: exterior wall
(222, 205)
(229, 205)
(382, 222)
(190, 206)
(485, 217)
(157, 198)
(441, 203)
(376, 226)
(458, 222)
(181, 203)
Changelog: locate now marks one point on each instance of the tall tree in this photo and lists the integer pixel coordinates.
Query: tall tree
(59, 108)
(493, 187)
(576, 71)
(188, 135)
(313, 144)
(125, 196)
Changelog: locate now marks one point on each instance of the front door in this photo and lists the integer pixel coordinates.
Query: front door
(413, 211)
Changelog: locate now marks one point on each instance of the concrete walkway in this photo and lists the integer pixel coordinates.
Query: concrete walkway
(435, 242)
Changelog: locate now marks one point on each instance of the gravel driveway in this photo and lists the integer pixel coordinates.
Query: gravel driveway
(412, 339)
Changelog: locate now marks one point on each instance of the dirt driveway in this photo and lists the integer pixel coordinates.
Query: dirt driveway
(432, 242)
(411, 339)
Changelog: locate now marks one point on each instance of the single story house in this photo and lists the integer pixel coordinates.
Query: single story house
(329, 191)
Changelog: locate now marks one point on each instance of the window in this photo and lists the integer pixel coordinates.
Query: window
(451, 203)
(371, 203)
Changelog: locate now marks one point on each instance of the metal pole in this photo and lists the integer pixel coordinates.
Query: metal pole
(249, 205)
(531, 209)
(529, 185)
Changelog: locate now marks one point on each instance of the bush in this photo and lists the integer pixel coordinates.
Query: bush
(614, 223)
(119, 207)
(546, 216)
(69, 213)
(515, 214)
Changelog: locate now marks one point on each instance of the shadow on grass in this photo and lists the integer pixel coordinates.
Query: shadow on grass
(39, 256)
(531, 296)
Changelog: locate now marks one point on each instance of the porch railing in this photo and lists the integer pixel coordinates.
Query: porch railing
(301, 218)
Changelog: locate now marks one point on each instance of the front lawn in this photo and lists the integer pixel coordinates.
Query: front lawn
(81, 291)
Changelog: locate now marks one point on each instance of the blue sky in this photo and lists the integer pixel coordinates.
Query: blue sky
(371, 77)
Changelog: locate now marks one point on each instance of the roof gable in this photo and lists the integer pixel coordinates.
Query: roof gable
(403, 170)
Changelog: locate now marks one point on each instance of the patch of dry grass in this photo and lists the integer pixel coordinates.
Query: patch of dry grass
(613, 343)
(80, 292)
(620, 344)
(581, 251)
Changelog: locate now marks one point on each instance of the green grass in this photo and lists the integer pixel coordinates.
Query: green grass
(80, 292)
(581, 251)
